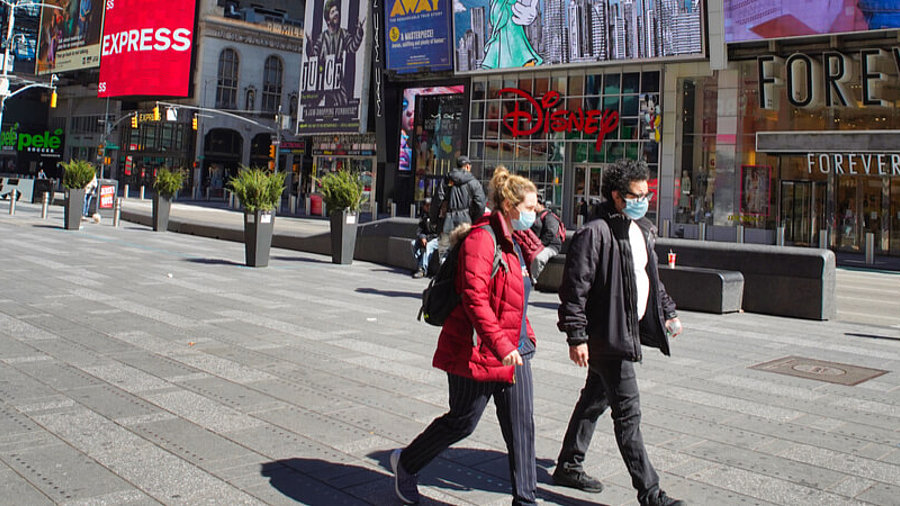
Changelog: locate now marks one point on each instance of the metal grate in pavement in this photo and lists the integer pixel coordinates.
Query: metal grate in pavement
(821, 370)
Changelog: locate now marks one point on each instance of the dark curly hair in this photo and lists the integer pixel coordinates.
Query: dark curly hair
(620, 175)
(328, 5)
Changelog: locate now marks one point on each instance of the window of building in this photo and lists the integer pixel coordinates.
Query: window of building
(272, 79)
(227, 80)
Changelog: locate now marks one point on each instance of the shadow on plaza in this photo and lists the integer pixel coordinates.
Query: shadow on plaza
(390, 293)
(214, 261)
(300, 259)
(872, 336)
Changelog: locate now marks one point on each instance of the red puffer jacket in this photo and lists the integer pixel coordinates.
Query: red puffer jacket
(486, 325)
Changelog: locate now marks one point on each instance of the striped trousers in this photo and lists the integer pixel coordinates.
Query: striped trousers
(468, 399)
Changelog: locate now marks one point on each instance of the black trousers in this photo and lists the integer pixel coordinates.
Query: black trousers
(610, 383)
(468, 399)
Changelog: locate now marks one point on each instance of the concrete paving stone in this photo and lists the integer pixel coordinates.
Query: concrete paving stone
(272, 324)
(239, 397)
(71, 352)
(724, 433)
(128, 378)
(17, 388)
(701, 493)
(278, 443)
(225, 369)
(63, 473)
(129, 497)
(392, 426)
(842, 439)
(850, 464)
(56, 403)
(112, 402)
(190, 441)
(12, 349)
(22, 331)
(769, 386)
(12, 484)
(880, 493)
(332, 431)
(290, 392)
(852, 486)
(730, 404)
(403, 372)
(157, 365)
(375, 350)
(202, 411)
(287, 486)
(240, 354)
(137, 309)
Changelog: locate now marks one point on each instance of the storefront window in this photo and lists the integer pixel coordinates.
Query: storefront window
(695, 188)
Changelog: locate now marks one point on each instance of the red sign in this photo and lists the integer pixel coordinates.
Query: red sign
(107, 196)
(543, 119)
(146, 48)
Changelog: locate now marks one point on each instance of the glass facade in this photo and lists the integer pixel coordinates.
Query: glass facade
(565, 161)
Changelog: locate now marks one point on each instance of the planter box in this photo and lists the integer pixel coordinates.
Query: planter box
(161, 208)
(74, 208)
(258, 229)
(343, 237)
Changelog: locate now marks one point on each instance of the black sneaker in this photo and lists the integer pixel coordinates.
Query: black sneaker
(663, 500)
(577, 479)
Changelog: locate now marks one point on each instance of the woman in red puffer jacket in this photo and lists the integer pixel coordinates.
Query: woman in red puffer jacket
(486, 344)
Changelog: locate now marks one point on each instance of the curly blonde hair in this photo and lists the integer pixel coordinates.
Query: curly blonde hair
(506, 187)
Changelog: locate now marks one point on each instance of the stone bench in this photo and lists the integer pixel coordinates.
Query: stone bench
(701, 289)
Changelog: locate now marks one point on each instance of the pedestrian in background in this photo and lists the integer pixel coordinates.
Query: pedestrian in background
(425, 243)
(547, 228)
(486, 346)
(612, 302)
(459, 199)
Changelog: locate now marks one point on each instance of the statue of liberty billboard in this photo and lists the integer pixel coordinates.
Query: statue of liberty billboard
(508, 46)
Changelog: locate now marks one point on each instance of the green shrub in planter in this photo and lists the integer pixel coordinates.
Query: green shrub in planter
(78, 173)
(258, 189)
(342, 190)
(168, 182)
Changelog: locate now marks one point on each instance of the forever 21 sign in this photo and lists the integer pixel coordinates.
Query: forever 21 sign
(822, 80)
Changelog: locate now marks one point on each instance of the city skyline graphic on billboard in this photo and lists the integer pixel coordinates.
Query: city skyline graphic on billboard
(502, 34)
(418, 35)
(69, 37)
(334, 68)
(772, 19)
(146, 48)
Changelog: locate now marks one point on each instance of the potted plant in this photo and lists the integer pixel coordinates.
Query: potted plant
(259, 191)
(342, 192)
(166, 184)
(77, 175)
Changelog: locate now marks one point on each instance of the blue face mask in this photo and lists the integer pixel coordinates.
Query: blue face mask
(525, 220)
(636, 208)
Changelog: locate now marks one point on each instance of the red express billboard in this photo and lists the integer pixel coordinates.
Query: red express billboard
(146, 48)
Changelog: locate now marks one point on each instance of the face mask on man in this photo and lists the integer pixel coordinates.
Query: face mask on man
(636, 208)
(525, 220)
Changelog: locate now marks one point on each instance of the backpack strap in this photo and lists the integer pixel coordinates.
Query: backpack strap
(499, 261)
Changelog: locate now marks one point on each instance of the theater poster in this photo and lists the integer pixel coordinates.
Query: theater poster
(418, 35)
(334, 74)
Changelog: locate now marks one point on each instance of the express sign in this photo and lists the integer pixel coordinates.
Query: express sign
(146, 48)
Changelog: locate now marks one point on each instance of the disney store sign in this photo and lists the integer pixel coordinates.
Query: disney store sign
(540, 116)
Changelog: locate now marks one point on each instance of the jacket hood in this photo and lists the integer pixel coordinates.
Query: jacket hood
(460, 176)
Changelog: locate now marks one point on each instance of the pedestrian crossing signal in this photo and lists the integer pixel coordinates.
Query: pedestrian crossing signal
(272, 151)
(134, 122)
(194, 122)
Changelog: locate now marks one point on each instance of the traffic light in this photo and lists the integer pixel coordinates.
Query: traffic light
(194, 122)
(53, 98)
(156, 113)
(272, 149)
(107, 160)
(101, 149)
(134, 122)
(271, 164)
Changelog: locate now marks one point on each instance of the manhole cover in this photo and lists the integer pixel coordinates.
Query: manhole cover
(832, 372)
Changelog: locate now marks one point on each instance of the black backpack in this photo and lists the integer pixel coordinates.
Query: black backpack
(440, 298)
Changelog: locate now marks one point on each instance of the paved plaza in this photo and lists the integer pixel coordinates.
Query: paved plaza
(144, 368)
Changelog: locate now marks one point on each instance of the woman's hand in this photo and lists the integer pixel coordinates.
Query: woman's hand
(513, 358)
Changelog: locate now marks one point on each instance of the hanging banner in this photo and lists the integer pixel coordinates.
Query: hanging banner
(334, 72)
(69, 35)
(418, 35)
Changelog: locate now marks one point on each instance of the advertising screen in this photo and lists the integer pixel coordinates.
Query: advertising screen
(146, 48)
(771, 19)
(69, 35)
(334, 69)
(418, 35)
(419, 146)
(500, 35)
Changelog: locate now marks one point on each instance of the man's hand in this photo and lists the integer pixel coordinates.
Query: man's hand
(674, 327)
(524, 12)
(513, 358)
(579, 354)
(423, 241)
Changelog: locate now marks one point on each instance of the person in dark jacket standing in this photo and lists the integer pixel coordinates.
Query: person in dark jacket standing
(459, 199)
(486, 346)
(612, 302)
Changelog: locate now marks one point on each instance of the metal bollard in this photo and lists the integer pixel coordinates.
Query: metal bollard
(281, 206)
(393, 209)
(779, 236)
(207, 193)
(45, 205)
(664, 231)
(739, 234)
(870, 248)
(142, 192)
(308, 205)
(293, 202)
(125, 191)
(579, 221)
(702, 236)
(412, 210)
(324, 211)
(12, 201)
(823, 238)
(374, 211)
(117, 210)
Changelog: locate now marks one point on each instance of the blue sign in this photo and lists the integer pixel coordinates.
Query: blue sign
(418, 35)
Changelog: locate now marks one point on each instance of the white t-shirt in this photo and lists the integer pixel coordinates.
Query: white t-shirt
(639, 255)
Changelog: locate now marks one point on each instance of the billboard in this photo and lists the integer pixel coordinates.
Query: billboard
(334, 71)
(771, 19)
(492, 35)
(69, 37)
(418, 35)
(146, 48)
(420, 145)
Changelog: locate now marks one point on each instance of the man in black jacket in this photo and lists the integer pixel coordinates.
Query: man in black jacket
(546, 227)
(425, 243)
(459, 199)
(611, 302)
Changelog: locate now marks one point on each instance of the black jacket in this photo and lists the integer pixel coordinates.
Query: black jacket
(427, 229)
(598, 291)
(547, 230)
(459, 199)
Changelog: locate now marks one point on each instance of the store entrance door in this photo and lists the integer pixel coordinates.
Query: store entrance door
(587, 190)
(802, 211)
(864, 206)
